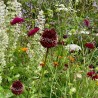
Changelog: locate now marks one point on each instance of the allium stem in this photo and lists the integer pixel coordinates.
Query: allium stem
(46, 55)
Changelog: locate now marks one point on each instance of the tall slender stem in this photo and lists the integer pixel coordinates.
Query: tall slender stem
(46, 55)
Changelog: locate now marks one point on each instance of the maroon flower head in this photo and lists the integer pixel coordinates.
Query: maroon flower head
(90, 45)
(16, 20)
(66, 65)
(91, 66)
(17, 88)
(65, 36)
(49, 38)
(61, 43)
(95, 77)
(86, 22)
(91, 73)
(33, 31)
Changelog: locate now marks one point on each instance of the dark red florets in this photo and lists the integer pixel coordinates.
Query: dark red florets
(65, 36)
(61, 43)
(91, 73)
(91, 66)
(16, 20)
(49, 38)
(86, 22)
(95, 77)
(33, 31)
(17, 88)
(90, 45)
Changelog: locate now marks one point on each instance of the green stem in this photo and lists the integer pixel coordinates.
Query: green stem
(42, 73)
(46, 55)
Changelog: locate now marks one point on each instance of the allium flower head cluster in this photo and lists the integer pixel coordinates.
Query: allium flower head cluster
(49, 38)
(90, 45)
(93, 75)
(17, 88)
(86, 22)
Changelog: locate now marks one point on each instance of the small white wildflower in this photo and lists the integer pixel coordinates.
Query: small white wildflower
(73, 47)
(78, 75)
(96, 34)
(62, 5)
(84, 32)
(95, 4)
(0, 79)
(30, 52)
(72, 90)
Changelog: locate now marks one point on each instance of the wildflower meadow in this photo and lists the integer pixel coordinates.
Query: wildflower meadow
(48, 48)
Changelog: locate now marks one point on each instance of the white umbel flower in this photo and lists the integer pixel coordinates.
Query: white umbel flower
(73, 47)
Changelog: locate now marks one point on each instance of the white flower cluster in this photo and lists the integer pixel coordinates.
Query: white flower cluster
(40, 21)
(72, 90)
(2, 12)
(84, 32)
(95, 4)
(14, 9)
(3, 34)
(73, 47)
(61, 7)
(30, 52)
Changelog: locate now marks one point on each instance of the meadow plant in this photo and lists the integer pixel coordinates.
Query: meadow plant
(49, 49)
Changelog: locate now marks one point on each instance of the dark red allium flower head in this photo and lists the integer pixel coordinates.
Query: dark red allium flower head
(65, 36)
(90, 45)
(91, 73)
(91, 66)
(95, 77)
(66, 65)
(33, 31)
(49, 38)
(61, 43)
(16, 20)
(17, 88)
(86, 22)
